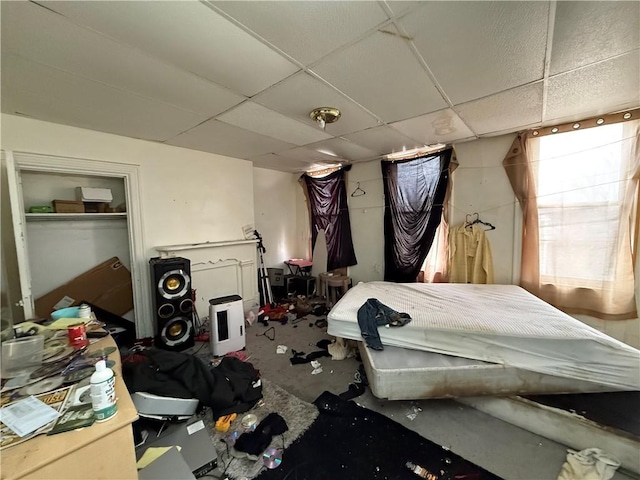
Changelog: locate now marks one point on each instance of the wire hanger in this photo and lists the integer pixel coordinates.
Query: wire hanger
(469, 220)
(358, 192)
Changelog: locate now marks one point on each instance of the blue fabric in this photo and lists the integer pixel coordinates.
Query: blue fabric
(373, 314)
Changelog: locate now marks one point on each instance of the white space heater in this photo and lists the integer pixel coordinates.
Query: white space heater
(227, 324)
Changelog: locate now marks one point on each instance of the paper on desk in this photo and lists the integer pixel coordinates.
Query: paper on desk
(26, 326)
(63, 323)
(56, 399)
(153, 453)
(28, 415)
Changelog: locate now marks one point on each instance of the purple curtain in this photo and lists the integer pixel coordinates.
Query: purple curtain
(329, 212)
(414, 192)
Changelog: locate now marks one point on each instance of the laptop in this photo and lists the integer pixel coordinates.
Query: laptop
(169, 466)
(197, 447)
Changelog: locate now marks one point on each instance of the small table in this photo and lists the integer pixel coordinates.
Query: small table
(299, 267)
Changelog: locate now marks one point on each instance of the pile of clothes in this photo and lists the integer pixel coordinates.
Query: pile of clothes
(233, 386)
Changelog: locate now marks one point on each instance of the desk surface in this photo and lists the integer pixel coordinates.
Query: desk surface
(41, 451)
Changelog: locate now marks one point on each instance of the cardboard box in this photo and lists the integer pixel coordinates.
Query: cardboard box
(107, 285)
(68, 206)
(95, 207)
(90, 194)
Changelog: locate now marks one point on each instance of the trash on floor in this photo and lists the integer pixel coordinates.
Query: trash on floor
(588, 464)
(281, 349)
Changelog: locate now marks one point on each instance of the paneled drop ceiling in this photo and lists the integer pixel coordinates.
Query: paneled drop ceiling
(240, 78)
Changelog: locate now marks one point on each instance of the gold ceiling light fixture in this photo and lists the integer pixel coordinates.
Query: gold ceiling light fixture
(324, 115)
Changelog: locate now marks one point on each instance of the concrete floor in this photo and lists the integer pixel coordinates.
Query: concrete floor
(506, 450)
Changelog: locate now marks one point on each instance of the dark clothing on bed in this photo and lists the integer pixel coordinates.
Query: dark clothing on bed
(373, 314)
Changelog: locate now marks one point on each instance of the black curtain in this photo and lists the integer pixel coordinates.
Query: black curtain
(329, 212)
(414, 192)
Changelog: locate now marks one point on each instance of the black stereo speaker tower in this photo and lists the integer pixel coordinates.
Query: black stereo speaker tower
(172, 303)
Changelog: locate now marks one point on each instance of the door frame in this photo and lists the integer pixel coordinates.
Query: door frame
(18, 161)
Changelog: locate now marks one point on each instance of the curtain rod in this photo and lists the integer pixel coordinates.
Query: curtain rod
(608, 119)
(414, 156)
(324, 171)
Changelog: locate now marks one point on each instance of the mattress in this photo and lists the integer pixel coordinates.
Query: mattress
(500, 324)
(403, 374)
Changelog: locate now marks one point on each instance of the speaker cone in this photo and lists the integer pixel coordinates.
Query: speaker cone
(175, 331)
(186, 305)
(174, 284)
(166, 310)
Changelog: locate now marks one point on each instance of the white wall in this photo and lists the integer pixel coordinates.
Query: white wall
(480, 185)
(186, 196)
(275, 206)
(367, 221)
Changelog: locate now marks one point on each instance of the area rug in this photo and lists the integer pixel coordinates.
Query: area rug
(298, 415)
(347, 441)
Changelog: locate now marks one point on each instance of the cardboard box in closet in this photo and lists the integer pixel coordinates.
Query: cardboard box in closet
(107, 286)
(96, 200)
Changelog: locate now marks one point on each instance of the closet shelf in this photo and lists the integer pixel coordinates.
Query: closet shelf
(57, 217)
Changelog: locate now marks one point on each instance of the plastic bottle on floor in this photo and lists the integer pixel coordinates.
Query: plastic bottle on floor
(421, 471)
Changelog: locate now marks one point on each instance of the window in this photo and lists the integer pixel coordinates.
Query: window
(414, 192)
(579, 193)
(580, 176)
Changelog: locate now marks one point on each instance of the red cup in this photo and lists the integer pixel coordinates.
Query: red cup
(77, 335)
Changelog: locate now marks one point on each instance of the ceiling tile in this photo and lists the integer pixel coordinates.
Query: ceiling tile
(475, 49)
(344, 149)
(438, 127)
(306, 31)
(224, 139)
(587, 32)
(382, 74)
(298, 95)
(51, 95)
(517, 108)
(399, 7)
(264, 121)
(383, 140)
(189, 35)
(51, 40)
(309, 154)
(601, 88)
(283, 164)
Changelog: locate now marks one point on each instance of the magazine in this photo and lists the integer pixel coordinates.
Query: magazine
(58, 399)
(77, 416)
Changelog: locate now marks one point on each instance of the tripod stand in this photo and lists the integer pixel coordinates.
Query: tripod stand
(264, 286)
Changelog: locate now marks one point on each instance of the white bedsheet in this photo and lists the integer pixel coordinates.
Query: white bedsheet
(494, 323)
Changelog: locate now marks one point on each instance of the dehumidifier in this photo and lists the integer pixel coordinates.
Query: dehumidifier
(226, 317)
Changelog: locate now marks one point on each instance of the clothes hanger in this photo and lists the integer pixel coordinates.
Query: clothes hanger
(469, 220)
(473, 221)
(358, 192)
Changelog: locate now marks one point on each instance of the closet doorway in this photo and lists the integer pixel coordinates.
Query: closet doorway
(111, 234)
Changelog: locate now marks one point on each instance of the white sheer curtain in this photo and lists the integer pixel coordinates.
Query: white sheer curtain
(579, 193)
(435, 268)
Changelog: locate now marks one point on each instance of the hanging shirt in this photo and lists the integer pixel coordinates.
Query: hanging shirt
(469, 255)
